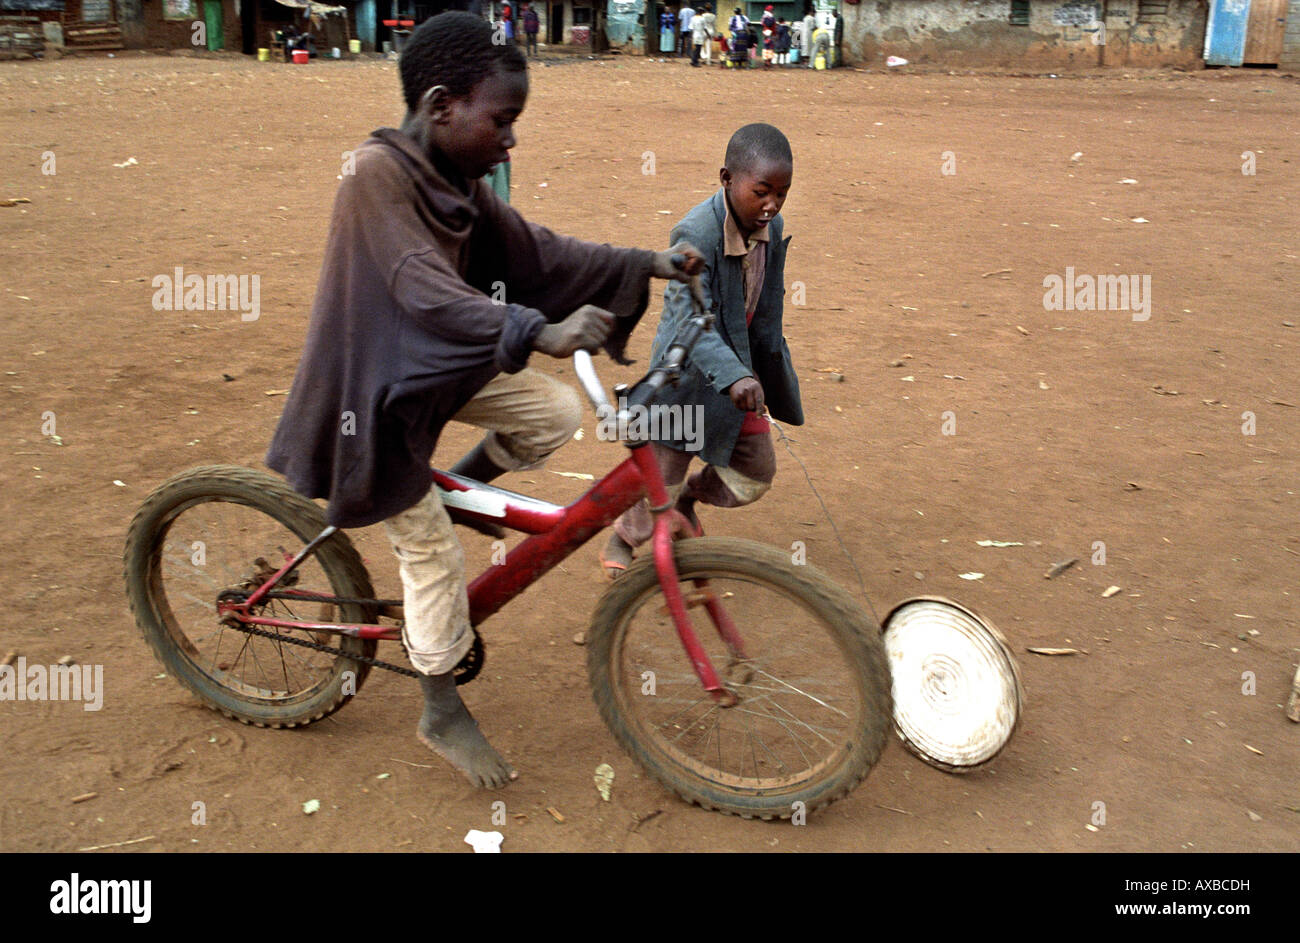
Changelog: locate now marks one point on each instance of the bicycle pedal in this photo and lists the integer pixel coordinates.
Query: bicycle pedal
(692, 600)
(697, 598)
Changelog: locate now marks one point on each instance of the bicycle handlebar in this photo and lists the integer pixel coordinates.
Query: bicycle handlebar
(667, 372)
(586, 371)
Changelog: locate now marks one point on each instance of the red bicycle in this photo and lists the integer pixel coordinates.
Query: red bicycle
(739, 680)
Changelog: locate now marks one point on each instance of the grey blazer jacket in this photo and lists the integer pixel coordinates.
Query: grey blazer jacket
(731, 351)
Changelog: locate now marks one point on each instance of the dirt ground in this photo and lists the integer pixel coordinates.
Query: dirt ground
(1071, 427)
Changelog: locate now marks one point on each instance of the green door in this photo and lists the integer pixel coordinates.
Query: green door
(212, 17)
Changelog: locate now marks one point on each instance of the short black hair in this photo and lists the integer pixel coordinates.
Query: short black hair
(755, 143)
(454, 49)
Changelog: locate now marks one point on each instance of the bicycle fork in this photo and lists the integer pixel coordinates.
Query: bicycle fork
(668, 521)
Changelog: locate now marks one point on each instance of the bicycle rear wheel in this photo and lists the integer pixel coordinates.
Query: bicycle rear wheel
(223, 529)
(814, 709)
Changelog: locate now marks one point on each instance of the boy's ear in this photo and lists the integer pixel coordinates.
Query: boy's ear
(435, 103)
(724, 178)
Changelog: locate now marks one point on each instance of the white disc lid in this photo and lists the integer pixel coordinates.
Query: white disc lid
(956, 687)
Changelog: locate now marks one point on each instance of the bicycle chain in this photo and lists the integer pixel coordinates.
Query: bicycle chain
(466, 670)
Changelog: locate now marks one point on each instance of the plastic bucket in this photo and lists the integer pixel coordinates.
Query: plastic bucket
(354, 46)
(300, 56)
(263, 55)
(335, 53)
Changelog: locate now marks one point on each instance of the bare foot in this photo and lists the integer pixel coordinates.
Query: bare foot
(616, 557)
(448, 729)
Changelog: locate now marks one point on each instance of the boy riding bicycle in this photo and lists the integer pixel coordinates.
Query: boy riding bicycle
(405, 336)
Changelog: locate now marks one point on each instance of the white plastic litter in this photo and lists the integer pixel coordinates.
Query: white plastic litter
(895, 61)
(604, 779)
(488, 843)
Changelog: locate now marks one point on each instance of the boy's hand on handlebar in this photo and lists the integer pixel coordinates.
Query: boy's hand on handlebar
(679, 263)
(747, 395)
(585, 329)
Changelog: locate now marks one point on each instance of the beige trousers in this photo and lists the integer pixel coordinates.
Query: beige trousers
(529, 415)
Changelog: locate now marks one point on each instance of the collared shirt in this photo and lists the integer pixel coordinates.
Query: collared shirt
(755, 263)
(755, 268)
(685, 18)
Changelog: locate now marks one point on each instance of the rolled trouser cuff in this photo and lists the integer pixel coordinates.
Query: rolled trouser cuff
(439, 662)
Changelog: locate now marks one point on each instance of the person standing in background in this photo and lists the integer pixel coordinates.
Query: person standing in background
(767, 29)
(839, 39)
(704, 26)
(809, 24)
(532, 24)
(821, 47)
(508, 22)
(668, 31)
(738, 26)
(782, 41)
(699, 36)
(684, 17)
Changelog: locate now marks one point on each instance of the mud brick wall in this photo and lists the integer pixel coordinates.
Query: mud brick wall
(1036, 34)
(154, 32)
(1291, 39)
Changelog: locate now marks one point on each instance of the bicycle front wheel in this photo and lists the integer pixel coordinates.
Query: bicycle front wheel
(813, 709)
(220, 530)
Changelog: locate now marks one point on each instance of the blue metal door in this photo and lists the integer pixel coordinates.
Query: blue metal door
(366, 22)
(1225, 33)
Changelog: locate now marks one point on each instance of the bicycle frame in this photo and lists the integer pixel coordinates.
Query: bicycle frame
(555, 532)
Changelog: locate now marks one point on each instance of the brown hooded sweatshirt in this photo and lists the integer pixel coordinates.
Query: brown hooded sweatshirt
(425, 295)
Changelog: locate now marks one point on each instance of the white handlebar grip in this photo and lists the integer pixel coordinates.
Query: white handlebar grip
(586, 371)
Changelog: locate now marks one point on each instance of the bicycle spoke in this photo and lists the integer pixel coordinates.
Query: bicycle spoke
(799, 744)
(763, 744)
(185, 565)
(698, 700)
(686, 730)
(805, 694)
(284, 669)
(210, 606)
(750, 730)
(811, 728)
